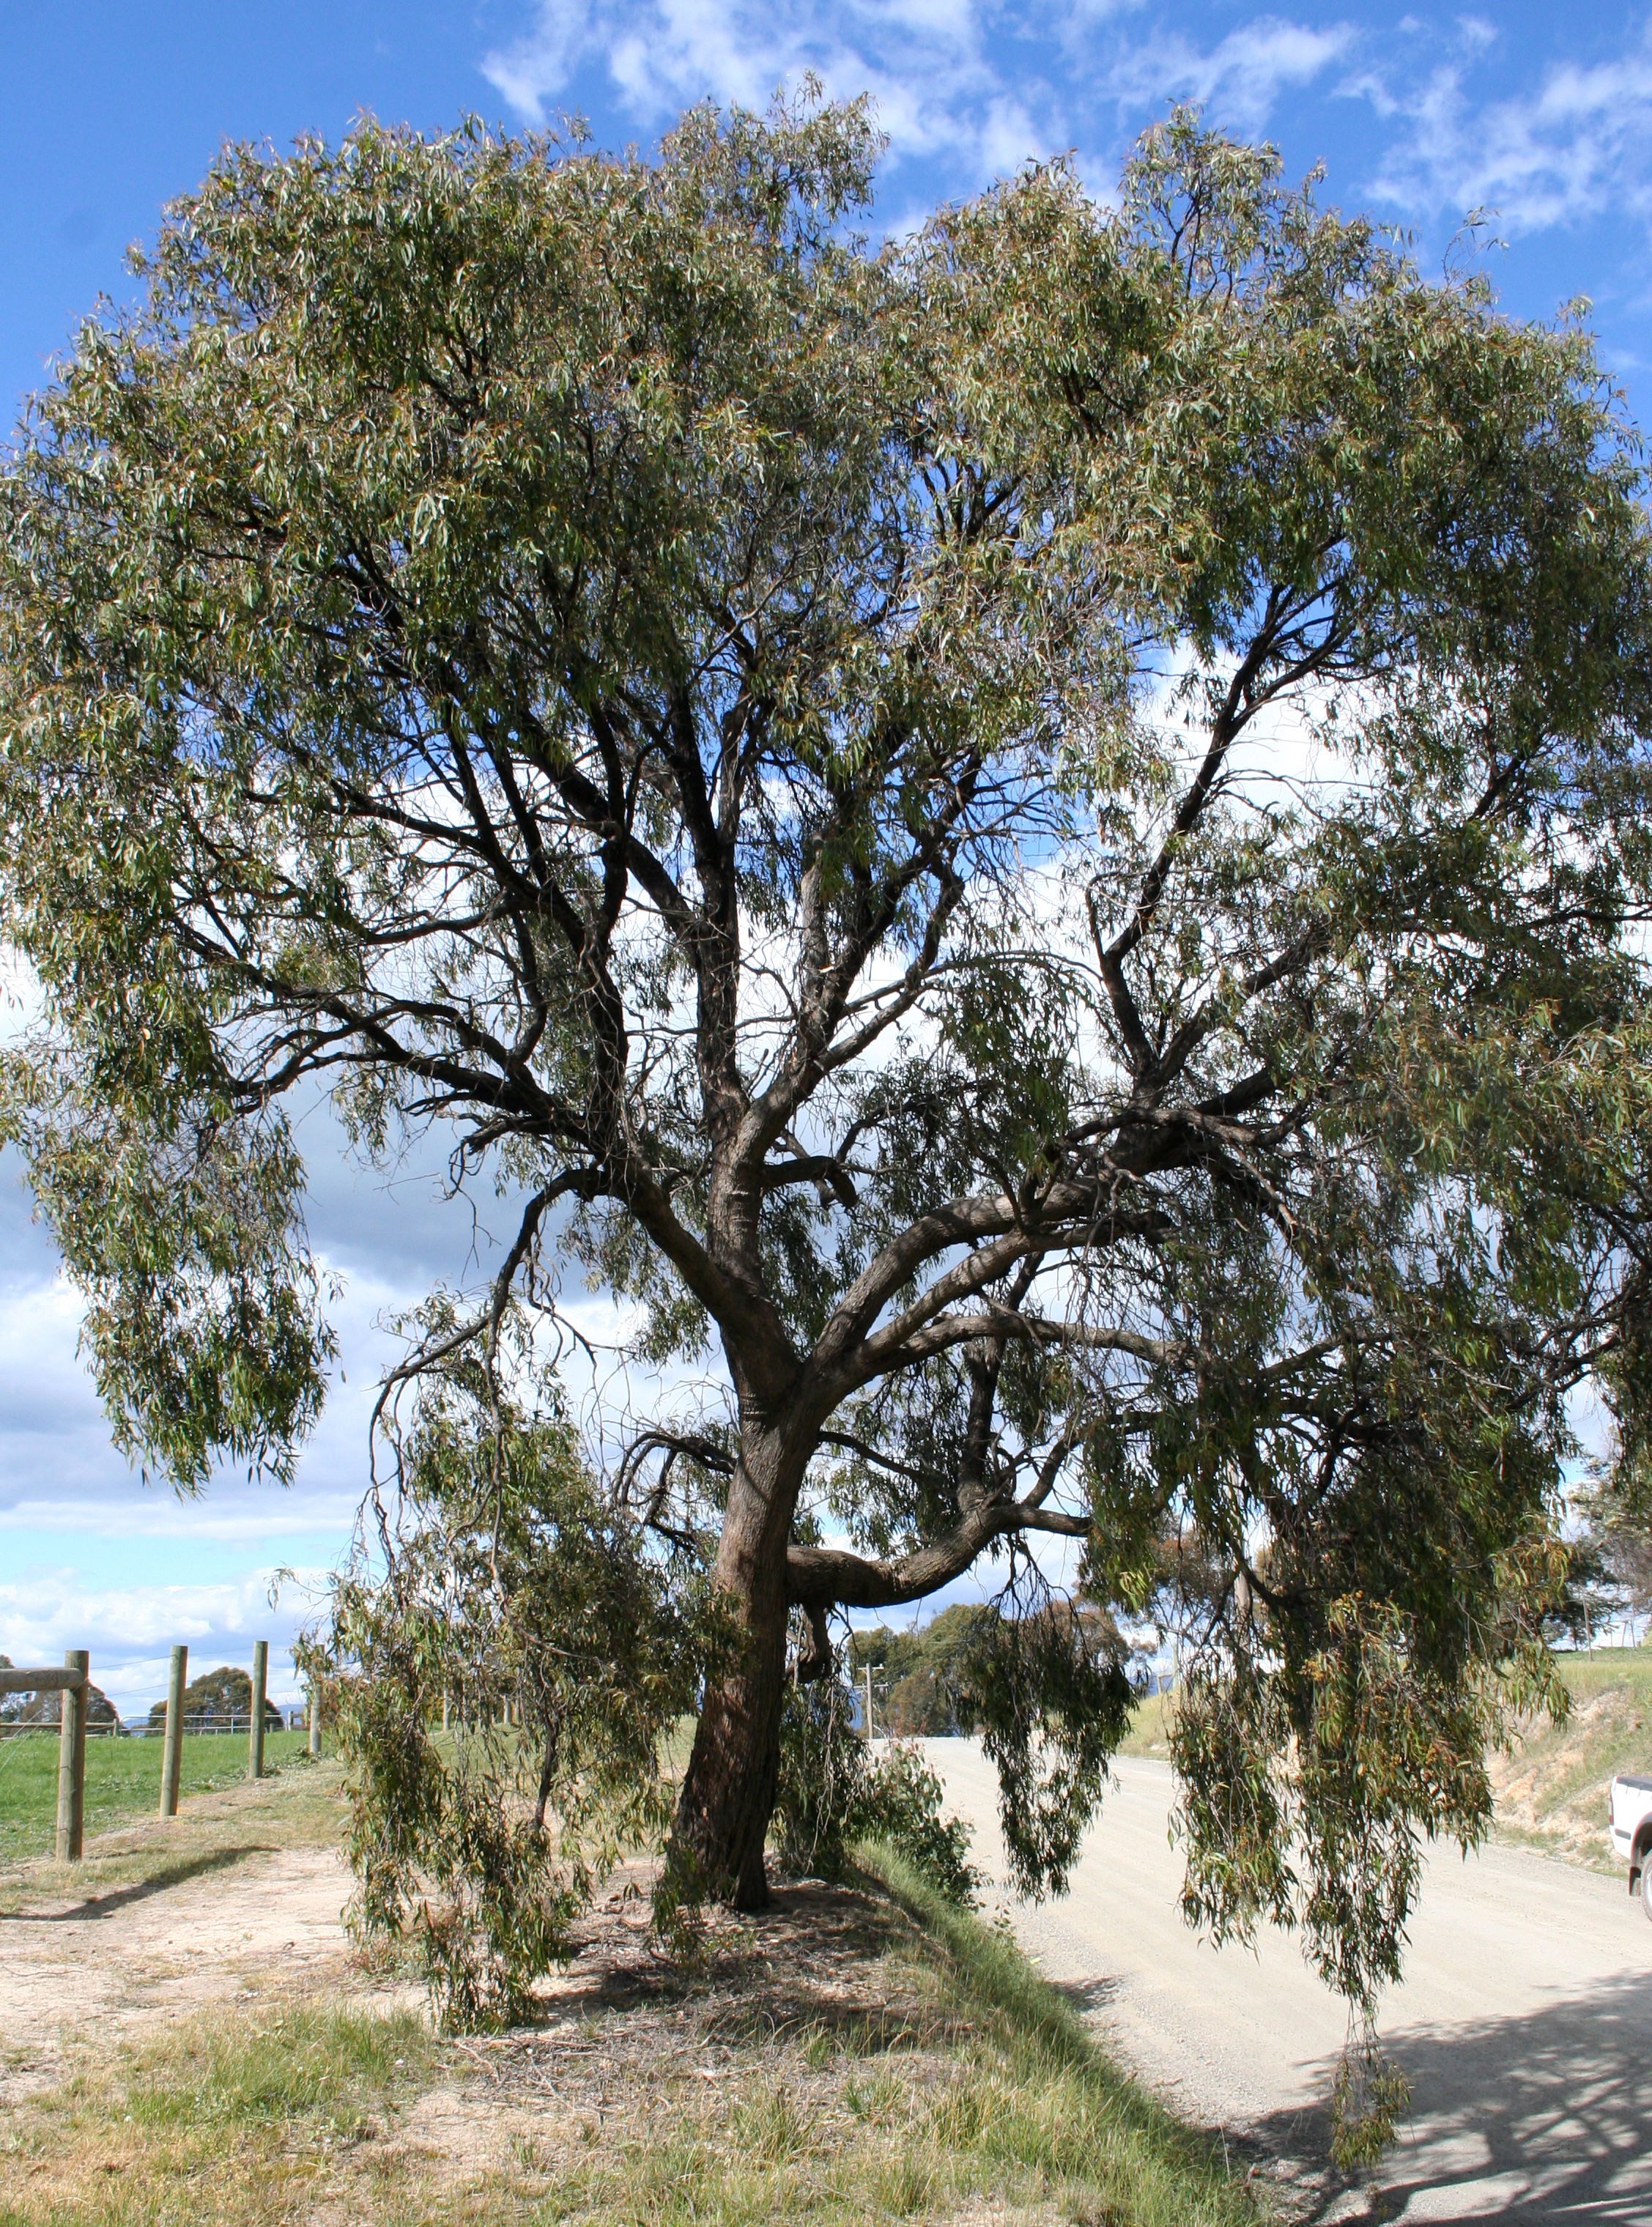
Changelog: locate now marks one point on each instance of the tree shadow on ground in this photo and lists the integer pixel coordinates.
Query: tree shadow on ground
(1089, 1996)
(799, 1968)
(169, 1875)
(1533, 2120)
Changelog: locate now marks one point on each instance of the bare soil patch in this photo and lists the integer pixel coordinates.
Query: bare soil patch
(122, 1960)
(245, 1889)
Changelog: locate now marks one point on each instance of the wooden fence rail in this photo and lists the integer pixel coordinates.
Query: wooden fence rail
(41, 1681)
(73, 1681)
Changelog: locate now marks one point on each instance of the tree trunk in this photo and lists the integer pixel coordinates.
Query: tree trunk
(728, 1794)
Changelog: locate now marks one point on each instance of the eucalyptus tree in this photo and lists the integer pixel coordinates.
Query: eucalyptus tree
(1032, 844)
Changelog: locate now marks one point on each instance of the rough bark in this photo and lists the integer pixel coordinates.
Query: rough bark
(728, 1792)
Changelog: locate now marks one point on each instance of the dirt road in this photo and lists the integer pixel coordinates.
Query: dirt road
(117, 1960)
(242, 1891)
(1525, 2023)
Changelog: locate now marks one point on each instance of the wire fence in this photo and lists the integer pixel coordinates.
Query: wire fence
(287, 1720)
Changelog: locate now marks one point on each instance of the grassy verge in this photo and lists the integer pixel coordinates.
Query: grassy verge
(978, 2096)
(237, 2120)
(123, 1780)
(928, 2075)
(1039, 2096)
(1552, 1788)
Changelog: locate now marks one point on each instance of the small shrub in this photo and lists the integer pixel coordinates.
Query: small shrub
(901, 1804)
(831, 1795)
(512, 1599)
(1369, 2097)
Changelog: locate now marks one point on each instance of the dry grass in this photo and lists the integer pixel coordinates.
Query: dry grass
(855, 2055)
(1552, 1787)
(1149, 1733)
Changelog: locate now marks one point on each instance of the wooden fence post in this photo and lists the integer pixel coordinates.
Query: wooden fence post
(172, 1753)
(72, 1760)
(255, 1730)
(314, 1717)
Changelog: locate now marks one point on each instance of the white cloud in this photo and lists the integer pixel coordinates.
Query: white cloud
(1573, 148)
(1240, 80)
(128, 1629)
(922, 61)
(980, 89)
(975, 88)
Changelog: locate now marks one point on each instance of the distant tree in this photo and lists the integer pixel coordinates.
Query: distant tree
(46, 1709)
(1032, 847)
(221, 1692)
(922, 1676)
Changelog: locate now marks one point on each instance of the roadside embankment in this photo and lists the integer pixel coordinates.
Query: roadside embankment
(1552, 1785)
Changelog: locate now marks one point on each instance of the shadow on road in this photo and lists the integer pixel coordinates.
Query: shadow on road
(1089, 1995)
(1545, 2117)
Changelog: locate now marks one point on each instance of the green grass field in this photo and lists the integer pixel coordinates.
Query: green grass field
(123, 1780)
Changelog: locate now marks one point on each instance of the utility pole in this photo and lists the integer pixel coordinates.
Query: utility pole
(869, 1703)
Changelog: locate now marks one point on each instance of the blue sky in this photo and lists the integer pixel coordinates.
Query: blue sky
(1419, 115)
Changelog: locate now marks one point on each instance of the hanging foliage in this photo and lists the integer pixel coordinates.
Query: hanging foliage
(508, 1655)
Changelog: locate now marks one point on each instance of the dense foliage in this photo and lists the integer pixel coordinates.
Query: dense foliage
(1033, 847)
(501, 1604)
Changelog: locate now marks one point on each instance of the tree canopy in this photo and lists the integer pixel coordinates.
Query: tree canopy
(1032, 843)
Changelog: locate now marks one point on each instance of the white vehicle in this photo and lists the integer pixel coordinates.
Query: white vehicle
(1629, 1813)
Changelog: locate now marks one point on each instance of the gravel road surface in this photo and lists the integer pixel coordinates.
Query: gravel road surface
(1525, 2022)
